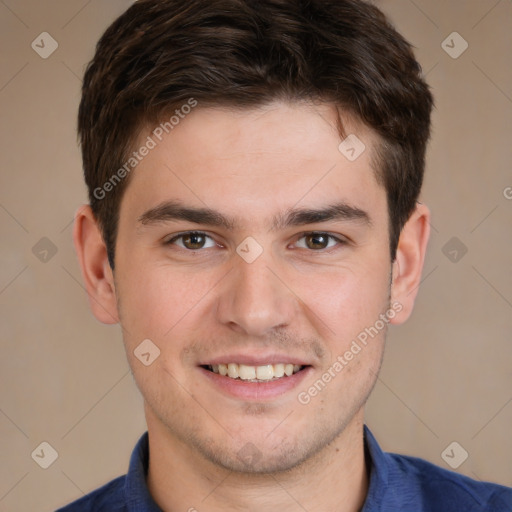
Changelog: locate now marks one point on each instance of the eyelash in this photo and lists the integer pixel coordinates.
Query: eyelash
(339, 241)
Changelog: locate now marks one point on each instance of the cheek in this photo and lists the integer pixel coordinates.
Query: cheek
(345, 293)
(156, 302)
(348, 300)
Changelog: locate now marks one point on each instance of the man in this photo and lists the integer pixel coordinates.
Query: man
(254, 169)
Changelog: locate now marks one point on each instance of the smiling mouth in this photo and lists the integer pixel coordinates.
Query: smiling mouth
(263, 373)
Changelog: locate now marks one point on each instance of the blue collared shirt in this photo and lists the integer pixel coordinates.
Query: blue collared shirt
(397, 484)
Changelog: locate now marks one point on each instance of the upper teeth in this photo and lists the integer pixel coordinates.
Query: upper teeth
(265, 372)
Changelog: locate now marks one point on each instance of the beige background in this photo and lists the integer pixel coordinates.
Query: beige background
(64, 378)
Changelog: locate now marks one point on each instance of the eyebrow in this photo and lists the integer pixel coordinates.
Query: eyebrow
(173, 210)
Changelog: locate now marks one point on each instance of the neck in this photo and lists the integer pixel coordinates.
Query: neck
(180, 479)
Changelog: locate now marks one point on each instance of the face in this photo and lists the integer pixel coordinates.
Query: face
(248, 239)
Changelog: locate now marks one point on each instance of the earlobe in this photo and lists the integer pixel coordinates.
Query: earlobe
(96, 271)
(408, 265)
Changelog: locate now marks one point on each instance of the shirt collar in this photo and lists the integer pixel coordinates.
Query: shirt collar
(138, 498)
(136, 490)
(379, 473)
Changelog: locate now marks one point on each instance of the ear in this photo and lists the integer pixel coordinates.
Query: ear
(408, 265)
(96, 272)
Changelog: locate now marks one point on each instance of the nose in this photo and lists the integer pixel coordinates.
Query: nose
(254, 299)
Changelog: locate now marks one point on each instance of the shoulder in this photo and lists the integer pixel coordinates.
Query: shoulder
(445, 490)
(108, 498)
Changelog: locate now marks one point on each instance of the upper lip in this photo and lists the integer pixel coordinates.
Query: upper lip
(255, 360)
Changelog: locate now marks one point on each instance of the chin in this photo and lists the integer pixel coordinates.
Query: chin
(259, 453)
(251, 460)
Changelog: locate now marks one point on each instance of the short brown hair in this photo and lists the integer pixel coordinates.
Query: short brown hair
(160, 54)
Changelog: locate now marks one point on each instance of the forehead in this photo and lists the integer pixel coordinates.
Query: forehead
(248, 162)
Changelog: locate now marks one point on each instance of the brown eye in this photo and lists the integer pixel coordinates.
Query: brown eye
(317, 241)
(193, 241)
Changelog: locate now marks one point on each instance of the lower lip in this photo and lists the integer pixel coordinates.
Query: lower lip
(256, 391)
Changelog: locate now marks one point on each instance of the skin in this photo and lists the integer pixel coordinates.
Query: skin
(298, 300)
